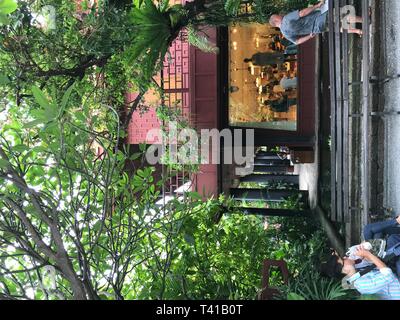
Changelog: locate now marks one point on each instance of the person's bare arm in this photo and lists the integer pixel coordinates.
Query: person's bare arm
(305, 12)
(304, 39)
(365, 254)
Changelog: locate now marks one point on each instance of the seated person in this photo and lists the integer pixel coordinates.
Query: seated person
(385, 229)
(381, 281)
(288, 83)
(273, 82)
(302, 25)
(265, 89)
(278, 89)
(281, 104)
(285, 45)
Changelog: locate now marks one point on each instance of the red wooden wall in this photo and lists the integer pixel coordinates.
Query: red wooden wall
(204, 106)
(307, 71)
(191, 79)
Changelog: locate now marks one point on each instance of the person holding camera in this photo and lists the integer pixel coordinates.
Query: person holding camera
(381, 281)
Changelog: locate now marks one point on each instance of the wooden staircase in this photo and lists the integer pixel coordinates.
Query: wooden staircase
(273, 183)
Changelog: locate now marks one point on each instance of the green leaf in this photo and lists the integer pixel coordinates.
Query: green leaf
(50, 111)
(4, 20)
(295, 296)
(96, 227)
(4, 163)
(137, 3)
(135, 156)
(164, 5)
(142, 147)
(8, 6)
(194, 195)
(33, 123)
(103, 297)
(3, 78)
(232, 7)
(40, 98)
(39, 115)
(39, 149)
(191, 272)
(189, 238)
(20, 148)
(51, 128)
(65, 99)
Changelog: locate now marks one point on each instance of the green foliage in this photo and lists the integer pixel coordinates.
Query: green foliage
(213, 261)
(74, 223)
(200, 41)
(224, 261)
(368, 297)
(232, 7)
(306, 283)
(295, 297)
(6, 7)
(86, 47)
(294, 202)
(104, 217)
(225, 12)
(153, 28)
(313, 287)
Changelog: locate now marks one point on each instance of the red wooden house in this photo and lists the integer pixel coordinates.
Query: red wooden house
(221, 91)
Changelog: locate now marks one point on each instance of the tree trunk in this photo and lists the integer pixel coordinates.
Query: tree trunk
(335, 238)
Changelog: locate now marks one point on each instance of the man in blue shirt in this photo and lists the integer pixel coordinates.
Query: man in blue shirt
(288, 83)
(389, 229)
(302, 25)
(381, 282)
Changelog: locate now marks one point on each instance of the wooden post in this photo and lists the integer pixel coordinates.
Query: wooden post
(269, 292)
(260, 178)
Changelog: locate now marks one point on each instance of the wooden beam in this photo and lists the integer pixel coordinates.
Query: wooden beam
(265, 195)
(266, 157)
(332, 70)
(365, 171)
(274, 212)
(338, 105)
(272, 163)
(294, 179)
(346, 125)
(271, 169)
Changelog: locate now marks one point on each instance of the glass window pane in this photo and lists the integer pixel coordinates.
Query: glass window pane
(262, 78)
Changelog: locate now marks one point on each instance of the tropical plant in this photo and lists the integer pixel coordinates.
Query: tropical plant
(154, 29)
(6, 7)
(308, 284)
(73, 222)
(200, 41)
(157, 25)
(232, 7)
(318, 289)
